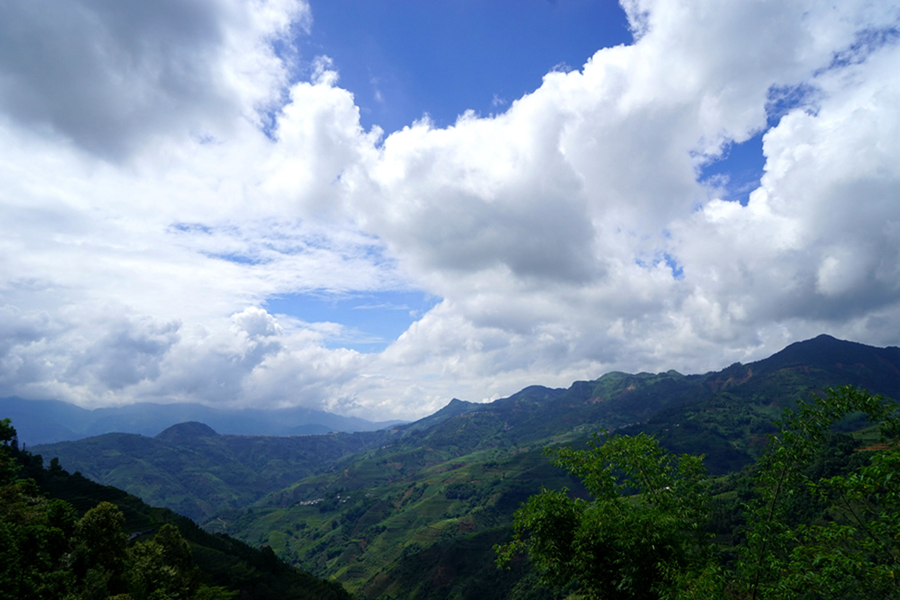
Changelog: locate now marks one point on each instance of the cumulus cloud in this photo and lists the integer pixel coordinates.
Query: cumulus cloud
(819, 238)
(554, 186)
(128, 353)
(256, 323)
(108, 75)
(168, 178)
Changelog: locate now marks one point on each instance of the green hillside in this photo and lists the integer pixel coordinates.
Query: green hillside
(390, 517)
(196, 472)
(414, 511)
(728, 416)
(34, 526)
(363, 528)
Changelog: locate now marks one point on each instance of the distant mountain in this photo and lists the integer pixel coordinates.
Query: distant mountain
(49, 421)
(193, 470)
(384, 511)
(428, 505)
(454, 408)
(729, 414)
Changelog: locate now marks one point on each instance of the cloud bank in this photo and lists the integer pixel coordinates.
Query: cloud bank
(163, 174)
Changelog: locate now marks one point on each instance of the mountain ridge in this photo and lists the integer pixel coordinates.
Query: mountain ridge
(364, 507)
(49, 421)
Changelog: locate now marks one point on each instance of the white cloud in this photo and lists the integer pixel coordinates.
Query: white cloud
(127, 353)
(256, 323)
(111, 75)
(819, 239)
(146, 215)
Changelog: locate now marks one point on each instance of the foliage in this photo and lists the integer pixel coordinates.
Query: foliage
(619, 545)
(420, 503)
(853, 550)
(8, 465)
(807, 533)
(48, 552)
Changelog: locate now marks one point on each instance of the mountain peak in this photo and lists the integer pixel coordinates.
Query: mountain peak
(820, 351)
(186, 431)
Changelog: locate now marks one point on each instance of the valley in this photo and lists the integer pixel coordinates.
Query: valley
(414, 510)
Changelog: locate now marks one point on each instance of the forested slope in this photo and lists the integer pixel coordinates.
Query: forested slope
(64, 535)
(415, 503)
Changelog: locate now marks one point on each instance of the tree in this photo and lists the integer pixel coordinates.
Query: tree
(99, 557)
(644, 534)
(162, 568)
(850, 550)
(35, 533)
(48, 553)
(8, 441)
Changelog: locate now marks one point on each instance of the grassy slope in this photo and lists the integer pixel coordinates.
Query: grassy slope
(366, 528)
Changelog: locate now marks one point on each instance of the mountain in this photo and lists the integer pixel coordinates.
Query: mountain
(196, 472)
(728, 416)
(429, 505)
(385, 511)
(250, 573)
(49, 421)
(454, 408)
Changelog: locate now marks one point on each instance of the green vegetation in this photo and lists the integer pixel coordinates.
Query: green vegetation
(378, 536)
(728, 415)
(618, 546)
(413, 512)
(196, 472)
(51, 548)
(816, 524)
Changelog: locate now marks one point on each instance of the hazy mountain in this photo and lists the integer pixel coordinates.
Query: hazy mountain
(49, 421)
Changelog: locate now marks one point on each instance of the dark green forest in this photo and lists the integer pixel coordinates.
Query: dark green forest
(817, 516)
(63, 536)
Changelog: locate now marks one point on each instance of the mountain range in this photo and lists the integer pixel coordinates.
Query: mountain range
(49, 421)
(413, 510)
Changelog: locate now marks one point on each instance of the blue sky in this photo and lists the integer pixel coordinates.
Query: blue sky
(403, 59)
(406, 58)
(189, 211)
(371, 321)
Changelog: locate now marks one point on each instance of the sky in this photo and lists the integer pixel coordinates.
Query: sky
(373, 207)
